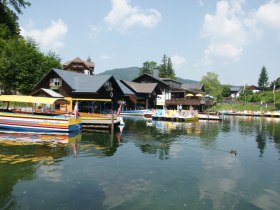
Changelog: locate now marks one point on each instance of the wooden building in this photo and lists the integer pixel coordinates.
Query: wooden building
(174, 93)
(78, 85)
(80, 66)
(145, 95)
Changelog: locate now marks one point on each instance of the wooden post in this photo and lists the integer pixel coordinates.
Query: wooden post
(112, 110)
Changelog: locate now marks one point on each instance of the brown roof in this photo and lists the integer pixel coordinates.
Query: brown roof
(89, 64)
(141, 87)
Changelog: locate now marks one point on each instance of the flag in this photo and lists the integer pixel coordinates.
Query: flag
(119, 109)
(76, 110)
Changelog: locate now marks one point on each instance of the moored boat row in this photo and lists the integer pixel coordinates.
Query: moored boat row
(274, 114)
(45, 114)
(176, 115)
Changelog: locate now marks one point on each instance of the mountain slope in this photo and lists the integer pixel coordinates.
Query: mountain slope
(131, 73)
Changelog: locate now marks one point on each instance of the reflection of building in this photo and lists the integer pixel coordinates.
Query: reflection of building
(77, 65)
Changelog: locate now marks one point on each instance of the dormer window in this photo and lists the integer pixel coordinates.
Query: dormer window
(55, 83)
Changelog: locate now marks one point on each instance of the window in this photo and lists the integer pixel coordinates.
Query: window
(55, 83)
(87, 72)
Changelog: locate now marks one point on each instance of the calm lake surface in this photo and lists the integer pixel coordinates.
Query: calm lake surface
(165, 166)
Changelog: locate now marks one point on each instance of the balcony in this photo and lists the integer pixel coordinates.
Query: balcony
(190, 101)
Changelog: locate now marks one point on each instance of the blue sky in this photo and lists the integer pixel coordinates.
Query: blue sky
(233, 38)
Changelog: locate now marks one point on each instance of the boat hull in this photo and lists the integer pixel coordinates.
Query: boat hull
(41, 123)
(133, 113)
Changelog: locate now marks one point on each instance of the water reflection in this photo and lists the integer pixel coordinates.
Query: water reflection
(21, 154)
(162, 166)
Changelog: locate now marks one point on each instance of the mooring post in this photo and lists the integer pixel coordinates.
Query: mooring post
(112, 110)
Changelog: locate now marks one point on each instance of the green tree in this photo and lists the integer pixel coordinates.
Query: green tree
(148, 68)
(163, 67)
(170, 71)
(246, 95)
(226, 91)
(212, 84)
(276, 83)
(166, 68)
(8, 17)
(263, 79)
(22, 65)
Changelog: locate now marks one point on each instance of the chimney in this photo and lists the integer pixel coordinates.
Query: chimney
(156, 73)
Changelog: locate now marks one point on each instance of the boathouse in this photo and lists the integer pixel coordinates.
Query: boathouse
(145, 95)
(175, 94)
(78, 85)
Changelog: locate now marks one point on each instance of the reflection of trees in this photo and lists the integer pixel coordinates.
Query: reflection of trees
(261, 140)
(99, 144)
(158, 139)
(209, 133)
(246, 125)
(273, 129)
(263, 128)
(11, 174)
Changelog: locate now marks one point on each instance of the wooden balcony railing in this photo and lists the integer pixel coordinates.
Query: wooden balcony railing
(190, 101)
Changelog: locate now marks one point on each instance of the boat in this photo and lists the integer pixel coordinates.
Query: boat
(209, 117)
(92, 119)
(149, 113)
(176, 115)
(136, 112)
(157, 115)
(39, 114)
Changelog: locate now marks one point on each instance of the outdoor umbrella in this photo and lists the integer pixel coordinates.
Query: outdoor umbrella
(189, 94)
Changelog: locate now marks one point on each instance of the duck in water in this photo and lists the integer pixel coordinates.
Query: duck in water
(233, 151)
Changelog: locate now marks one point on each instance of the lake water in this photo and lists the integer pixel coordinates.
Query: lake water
(165, 166)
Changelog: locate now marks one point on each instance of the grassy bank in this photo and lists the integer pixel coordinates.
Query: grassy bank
(241, 107)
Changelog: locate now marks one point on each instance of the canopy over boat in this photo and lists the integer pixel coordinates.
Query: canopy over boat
(32, 99)
(88, 99)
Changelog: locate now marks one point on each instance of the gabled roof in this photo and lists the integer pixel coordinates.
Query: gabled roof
(235, 88)
(125, 90)
(169, 79)
(89, 64)
(193, 86)
(157, 80)
(82, 83)
(140, 87)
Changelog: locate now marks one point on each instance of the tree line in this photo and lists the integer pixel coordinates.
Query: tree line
(213, 87)
(165, 68)
(22, 64)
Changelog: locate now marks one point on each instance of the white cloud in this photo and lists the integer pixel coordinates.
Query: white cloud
(123, 16)
(269, 14)
(51, 38)
(229, 29)
(226, 31)
(178, 61)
